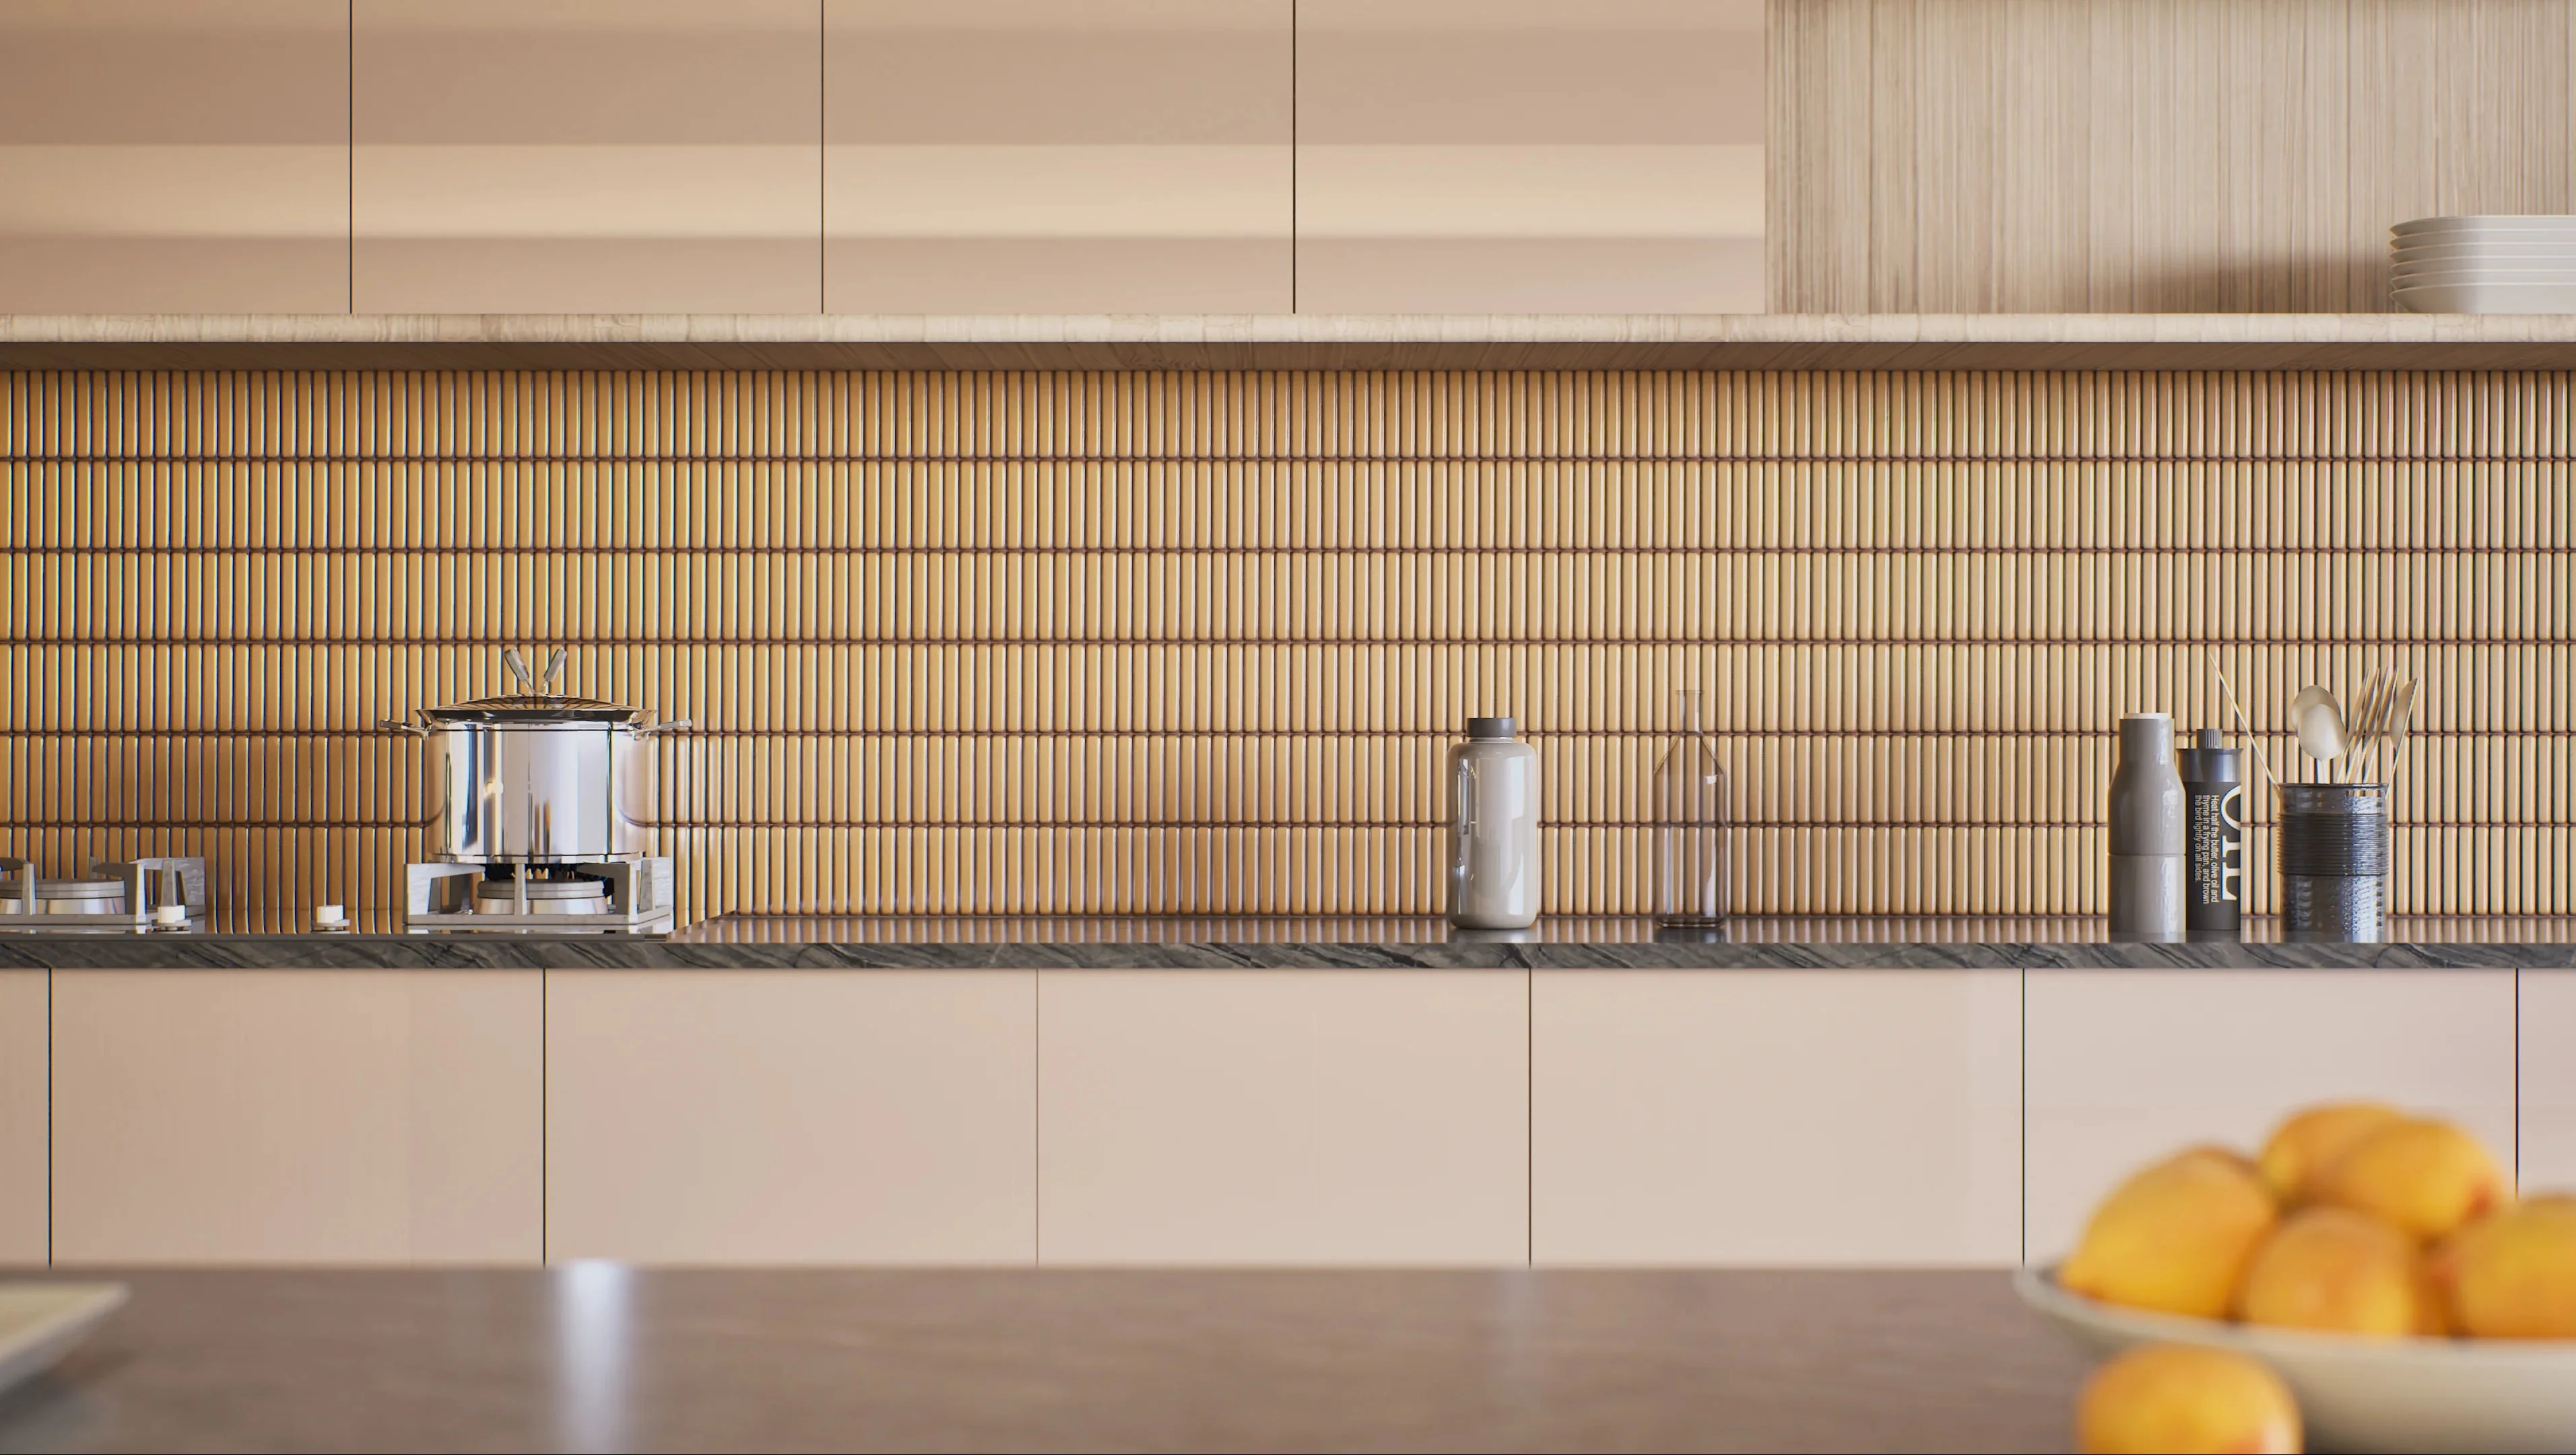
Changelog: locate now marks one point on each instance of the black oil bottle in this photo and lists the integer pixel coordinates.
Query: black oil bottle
(2213, 789)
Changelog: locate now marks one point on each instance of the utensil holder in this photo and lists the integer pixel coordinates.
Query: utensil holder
(2334, 857)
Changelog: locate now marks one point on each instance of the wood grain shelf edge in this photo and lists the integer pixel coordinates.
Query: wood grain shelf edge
(2349, 341)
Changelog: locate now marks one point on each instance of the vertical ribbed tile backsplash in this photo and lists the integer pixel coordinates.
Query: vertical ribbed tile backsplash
(1194, 642)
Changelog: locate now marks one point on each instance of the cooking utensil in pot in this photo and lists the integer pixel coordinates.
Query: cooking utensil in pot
(2252, 739)
(2318, 723)
(2396, 713)
(2361, 722)
(2401, 721)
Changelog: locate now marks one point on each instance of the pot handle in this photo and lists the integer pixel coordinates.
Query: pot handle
(674, 725)
(410, 729)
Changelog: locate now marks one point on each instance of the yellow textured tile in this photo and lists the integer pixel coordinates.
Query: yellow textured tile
(1194, 642)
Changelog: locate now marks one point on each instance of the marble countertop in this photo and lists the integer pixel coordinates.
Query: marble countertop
(1255, 942)
(597, 1356)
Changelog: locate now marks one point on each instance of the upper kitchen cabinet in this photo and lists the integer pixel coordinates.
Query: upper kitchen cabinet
(1530, 156)
(174, 156)
(587, 156)
(1059, 156)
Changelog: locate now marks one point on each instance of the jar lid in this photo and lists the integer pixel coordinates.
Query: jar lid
(1492, 729)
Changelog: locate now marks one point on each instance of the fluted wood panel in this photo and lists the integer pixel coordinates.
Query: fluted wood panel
(1196, 641)
(2153, 156)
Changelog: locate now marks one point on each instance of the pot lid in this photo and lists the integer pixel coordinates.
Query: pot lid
(532, 704)
(533, 707)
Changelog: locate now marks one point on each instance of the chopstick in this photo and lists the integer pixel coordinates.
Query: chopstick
(2247, 728)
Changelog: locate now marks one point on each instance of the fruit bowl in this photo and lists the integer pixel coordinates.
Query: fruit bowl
(2363, 1394)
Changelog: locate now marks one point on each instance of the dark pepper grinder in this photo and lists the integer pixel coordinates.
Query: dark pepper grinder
(2214, 806)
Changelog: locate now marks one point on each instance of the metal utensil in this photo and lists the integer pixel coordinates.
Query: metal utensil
(2399, 726)
(2317, 721)
(2392, 696)
(2363, 724)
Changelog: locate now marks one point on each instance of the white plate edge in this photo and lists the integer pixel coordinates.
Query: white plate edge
(92, 1303)
(2039, 1289)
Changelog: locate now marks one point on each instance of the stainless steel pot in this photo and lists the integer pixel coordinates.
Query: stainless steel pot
(537, 777)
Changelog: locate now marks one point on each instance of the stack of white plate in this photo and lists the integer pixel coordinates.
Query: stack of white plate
(2485, 264)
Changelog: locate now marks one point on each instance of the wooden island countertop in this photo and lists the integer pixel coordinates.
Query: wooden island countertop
(595, 1356)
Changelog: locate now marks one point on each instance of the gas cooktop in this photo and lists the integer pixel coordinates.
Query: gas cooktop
(619, 897)
(135, 896)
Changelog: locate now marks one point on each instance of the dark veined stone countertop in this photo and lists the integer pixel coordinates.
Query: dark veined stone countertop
(1280, 942)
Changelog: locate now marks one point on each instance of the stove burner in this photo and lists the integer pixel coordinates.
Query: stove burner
(542, 896)
(139, 895)
(625, 897)
(68, 896)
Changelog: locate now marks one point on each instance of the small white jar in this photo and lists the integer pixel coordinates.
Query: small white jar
(1493, 828)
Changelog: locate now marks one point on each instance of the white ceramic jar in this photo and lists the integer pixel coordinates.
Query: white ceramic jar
(1493, 828)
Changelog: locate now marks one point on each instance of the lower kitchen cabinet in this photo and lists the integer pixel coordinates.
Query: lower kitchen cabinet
(1781, 1117)
(824, 1116)
(22, 1117)
(297, 1116)
(1283, 1116)
(2549, 1080)
(2127, 1065)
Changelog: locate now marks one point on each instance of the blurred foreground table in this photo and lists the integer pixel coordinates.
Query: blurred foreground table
(599, 1356)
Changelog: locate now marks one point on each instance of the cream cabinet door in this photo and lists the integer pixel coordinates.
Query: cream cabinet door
(2125, 1066)
(587, 156)
(822, 1116)
(2549, 1080)
(1074, 156)
(1283, 1116)
(1548, 156)
(297, 1116)
(174, 156)
(1790, 1117)
(23, 1171)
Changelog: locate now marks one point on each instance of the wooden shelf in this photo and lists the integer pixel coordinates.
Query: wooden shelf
(1299, 341)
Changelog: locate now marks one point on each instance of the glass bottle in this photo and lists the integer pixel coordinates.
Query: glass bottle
(1690, 826)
